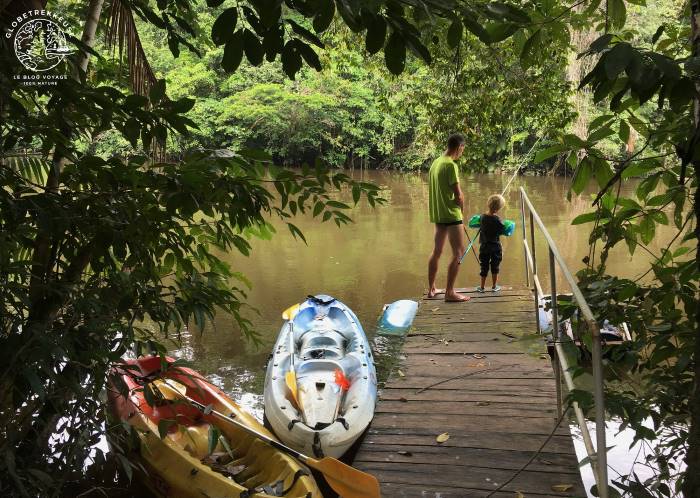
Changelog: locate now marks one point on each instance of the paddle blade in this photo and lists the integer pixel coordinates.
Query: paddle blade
(291, 380)
(347, 481)
(291, 312)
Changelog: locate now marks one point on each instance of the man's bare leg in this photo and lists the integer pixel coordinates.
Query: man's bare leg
(440, 236)
(455, 234)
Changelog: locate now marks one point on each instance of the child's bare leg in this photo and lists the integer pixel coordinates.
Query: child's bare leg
(494, 280)
(483, 281)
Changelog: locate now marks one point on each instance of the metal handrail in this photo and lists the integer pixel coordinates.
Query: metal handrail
(598, 459)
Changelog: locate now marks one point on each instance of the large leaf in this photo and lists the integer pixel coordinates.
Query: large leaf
(233, 52)
(454, 33)
(617, 59)
(617, 12)
(395, 53)
(254, 51)
(376, 34)
(225, 26)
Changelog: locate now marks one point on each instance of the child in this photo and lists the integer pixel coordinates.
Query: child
(490, 252)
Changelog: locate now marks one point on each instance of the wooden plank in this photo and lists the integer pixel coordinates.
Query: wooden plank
(439, 423)
(475, 478)
(391, 489)
(467, 457)
(482, 408)
(511, 398)
(559, 443)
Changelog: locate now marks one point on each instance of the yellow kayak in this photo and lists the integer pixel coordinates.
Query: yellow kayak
(180, 464)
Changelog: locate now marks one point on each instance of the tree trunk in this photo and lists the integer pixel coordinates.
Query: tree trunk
(691, 484)
(42, 243)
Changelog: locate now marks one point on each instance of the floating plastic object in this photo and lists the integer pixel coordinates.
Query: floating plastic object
(398, 317)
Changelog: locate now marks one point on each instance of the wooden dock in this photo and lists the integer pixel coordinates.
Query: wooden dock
(463, 373)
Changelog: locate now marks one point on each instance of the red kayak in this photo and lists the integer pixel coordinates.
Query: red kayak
(180, 464)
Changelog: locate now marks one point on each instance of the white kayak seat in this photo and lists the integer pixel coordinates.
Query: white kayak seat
(322, 344)
(319, 395)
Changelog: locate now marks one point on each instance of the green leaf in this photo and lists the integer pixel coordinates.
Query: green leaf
(646, 229)
(253, 48)
(356, 192)
(164, 426)
(499, 31)
(324, 15)
(581, 176)
(617, 59)
(418, 48)
(617, 13)
(624, 132)
(224, 26)
(214, 434)
(157, 91)
(318, 207)
(233, 52)
(183, 105)
(305, 33)
(600, 134)
(545, 154)
(507, 11)
(291, 59)
(585, 218)
(132, 131)
(309, 55)
(395, 53)
(376, 34)
(531, 45)
(454, 33)
(471, 23)
(298, 233)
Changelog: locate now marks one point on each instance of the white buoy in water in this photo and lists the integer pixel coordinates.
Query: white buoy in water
(398, 316)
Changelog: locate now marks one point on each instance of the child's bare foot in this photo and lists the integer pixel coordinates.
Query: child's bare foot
(454, 297)
(433, 292)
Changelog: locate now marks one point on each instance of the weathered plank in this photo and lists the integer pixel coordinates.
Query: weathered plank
(463, 371)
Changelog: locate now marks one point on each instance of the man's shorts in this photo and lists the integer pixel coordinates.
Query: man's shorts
(490, 254)
(450, 223)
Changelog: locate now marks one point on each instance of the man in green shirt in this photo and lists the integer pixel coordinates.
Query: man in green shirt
(446, 204)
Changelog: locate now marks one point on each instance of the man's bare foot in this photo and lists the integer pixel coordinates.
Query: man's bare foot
(433, 292)
(454, 297)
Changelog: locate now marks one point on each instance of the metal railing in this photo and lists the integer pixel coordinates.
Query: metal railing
(598, 460)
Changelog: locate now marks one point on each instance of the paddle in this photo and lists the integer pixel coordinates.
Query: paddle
(290, 377)
(345, 480)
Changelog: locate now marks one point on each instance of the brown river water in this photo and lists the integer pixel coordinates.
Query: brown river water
(379, 258)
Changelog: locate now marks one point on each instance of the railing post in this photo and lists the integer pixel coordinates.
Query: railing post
(555, 328)
(522, 222)
(534, 271)
(598, 397)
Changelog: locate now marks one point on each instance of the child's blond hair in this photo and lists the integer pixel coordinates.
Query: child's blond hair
(495, 203)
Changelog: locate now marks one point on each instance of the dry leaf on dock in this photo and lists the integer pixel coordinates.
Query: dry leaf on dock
(442, 437)
(562, 488)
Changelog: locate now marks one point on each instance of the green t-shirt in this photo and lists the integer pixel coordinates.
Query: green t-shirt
(442, 176)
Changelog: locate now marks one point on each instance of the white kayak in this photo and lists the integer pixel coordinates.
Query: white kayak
(334, 377)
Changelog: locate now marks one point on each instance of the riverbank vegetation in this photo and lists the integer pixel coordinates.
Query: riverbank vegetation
(98, 234)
